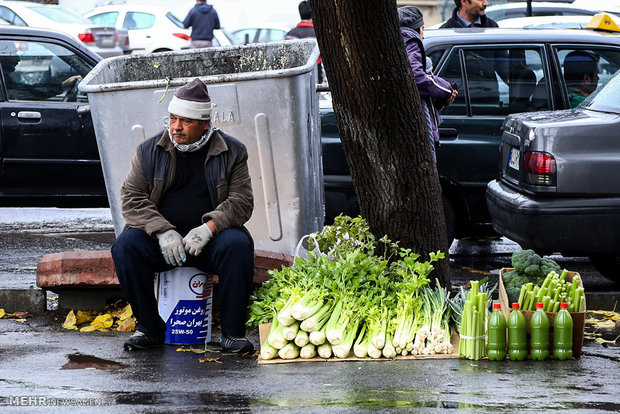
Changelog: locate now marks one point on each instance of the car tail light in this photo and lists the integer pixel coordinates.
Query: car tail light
(539, 168)
(181, 35)
(86, 37)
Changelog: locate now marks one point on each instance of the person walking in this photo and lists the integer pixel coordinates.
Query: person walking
(469, 13)
(203, 19)
(435, 92)
(185, 201)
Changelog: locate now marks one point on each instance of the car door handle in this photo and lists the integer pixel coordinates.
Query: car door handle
(448, 133)
(29, 115)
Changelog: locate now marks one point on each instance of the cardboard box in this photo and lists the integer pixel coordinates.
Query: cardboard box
(263, 331)
(579, 318)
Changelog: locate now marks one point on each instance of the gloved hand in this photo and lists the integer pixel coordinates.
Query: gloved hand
(197, 238)
(171, 245)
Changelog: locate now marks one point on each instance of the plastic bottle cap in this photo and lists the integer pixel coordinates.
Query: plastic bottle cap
(539, 305)
(563, 305)
(497, 306)
(515, 305)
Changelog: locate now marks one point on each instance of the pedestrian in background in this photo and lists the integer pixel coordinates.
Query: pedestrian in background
(435, 92)
(469, 13)
(185, 200)
(203, 19)
(304, 30)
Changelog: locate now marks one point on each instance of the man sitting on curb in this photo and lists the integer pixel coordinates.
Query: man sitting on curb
(185, 201)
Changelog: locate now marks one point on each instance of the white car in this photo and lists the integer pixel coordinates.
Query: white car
(151, 28)
(101, 40)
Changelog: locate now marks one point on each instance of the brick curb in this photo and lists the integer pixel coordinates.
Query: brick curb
(95, 269)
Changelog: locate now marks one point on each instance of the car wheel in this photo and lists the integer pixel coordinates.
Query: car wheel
(608, 265)
(450, 217)
(162, 50)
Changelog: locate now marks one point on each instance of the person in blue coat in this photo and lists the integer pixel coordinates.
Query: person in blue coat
(203, 19)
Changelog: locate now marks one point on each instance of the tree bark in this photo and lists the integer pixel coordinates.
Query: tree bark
(381, 124)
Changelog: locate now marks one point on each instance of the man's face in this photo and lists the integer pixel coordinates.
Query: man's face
(590, 82)
(186, 131)
(474, 8)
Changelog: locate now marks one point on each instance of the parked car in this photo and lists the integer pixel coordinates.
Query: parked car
(504, 11)
(498, 72)
(258, 34)
(100, 39)
(151, 28)
(48, 151)
(558, 187)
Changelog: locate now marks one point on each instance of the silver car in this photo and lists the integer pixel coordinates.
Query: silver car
(559, 185)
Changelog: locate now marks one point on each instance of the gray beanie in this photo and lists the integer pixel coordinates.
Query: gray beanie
(411, 17)
(192, 101)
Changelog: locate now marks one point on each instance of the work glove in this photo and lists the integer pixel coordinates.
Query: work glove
(197, 238)
(171, 246)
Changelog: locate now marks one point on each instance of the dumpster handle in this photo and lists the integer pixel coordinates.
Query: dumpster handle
(168, 83)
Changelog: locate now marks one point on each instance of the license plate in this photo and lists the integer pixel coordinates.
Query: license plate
(107, 41)
(513, 159)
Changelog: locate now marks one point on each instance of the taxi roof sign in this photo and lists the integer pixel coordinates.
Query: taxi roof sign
(603, 21)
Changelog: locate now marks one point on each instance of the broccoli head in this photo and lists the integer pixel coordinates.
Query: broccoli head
(549, 265)
(526, 261)
(513, 294)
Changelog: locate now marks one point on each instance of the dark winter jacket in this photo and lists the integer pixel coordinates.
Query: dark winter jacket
(203, 19)
(151, 173)
(303, 30)
(453, 22)
(434, 91)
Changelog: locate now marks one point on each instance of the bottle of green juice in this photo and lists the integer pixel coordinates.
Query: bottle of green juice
(517, 334)
(563, 334)
(539, 330)
(497, 334)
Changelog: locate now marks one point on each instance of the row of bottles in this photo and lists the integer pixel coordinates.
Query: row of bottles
(539, 334)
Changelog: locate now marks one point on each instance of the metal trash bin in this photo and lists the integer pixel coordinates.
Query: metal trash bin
(266, 97)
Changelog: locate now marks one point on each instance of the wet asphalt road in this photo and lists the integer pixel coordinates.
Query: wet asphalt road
(43, 365)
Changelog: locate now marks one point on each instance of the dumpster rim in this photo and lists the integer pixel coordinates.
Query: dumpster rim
(85, 87)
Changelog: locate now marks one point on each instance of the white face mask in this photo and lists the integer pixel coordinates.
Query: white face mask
(194, 146)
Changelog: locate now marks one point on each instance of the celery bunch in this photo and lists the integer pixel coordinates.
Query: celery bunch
(554, 290)
(349, 301)
(473, 323)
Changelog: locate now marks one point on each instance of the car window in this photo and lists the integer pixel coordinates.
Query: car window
(138, 20)
(104, 19)
(174, 19)
(240, 35)
(11, 17)
(271, 35)
(586, 68)
(41, 71)
(59, 15)
(606, 98)
(498, 81)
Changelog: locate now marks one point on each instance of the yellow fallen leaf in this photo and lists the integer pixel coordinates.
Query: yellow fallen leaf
(126, 313)
(84, 316)
(70, 321)
(103, 321)
(156, 65)
(2, 313)
(88, 328)
(18, 315)
(217, 360)
(126, 325)
(194, 350)
(605, 341)
(20, 320)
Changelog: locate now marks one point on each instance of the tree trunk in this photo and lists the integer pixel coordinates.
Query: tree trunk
(381, 124)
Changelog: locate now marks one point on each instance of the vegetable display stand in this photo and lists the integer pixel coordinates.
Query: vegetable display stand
(263, 331)
(579, 318)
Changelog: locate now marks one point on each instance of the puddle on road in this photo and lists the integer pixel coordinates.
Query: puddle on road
(81, 361)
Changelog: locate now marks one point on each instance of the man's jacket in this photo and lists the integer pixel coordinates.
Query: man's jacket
(152, 172)
(203, 19)
(454, 22)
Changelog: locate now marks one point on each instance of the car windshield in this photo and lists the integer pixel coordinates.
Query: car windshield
(59, 15)
(605, 99)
